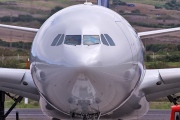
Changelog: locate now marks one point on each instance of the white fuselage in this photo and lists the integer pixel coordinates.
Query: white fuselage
(88, 79)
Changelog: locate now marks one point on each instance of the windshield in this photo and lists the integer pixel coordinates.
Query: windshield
(91, 39)
(73, 40)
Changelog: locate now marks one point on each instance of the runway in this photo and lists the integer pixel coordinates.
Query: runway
(36, 114)
(157, 115)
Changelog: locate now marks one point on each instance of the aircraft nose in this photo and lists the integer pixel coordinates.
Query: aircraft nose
(85, 79)
(85, 88)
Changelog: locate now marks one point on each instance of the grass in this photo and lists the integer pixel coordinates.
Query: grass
(63, 1)
(149, 2)
(43, 4)
(160, 105)
(13, 52)
(5, 0)
(174, 64)
(35, 104)
(31, 104)
(168, 64)
(22, 65)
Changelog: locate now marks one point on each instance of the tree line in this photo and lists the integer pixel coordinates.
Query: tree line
(163, 52)
(20, 44)
(163, 47)
(172, 5)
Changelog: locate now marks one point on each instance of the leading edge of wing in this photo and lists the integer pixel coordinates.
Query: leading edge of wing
(19, 82)
(159, 83)
(155, 33)
(34, 30)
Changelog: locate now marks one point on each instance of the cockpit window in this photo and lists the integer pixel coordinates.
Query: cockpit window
(73, 40)
(91, 39)
(109, 39)
(55, 40)
(104, 41)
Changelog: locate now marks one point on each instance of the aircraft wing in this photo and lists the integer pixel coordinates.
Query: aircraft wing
(34, 30)
(19, 82)
(156, 33)
(160, 83)
(142, 35)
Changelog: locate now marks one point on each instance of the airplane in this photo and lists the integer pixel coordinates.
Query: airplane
(87, 62)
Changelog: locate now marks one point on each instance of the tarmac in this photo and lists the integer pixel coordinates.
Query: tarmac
(36, 114)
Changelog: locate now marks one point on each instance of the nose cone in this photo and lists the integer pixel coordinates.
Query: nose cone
(81, 87)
